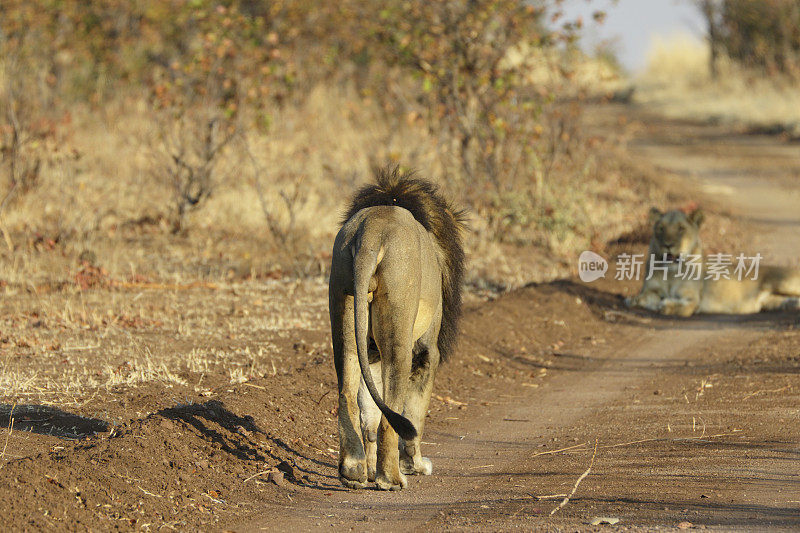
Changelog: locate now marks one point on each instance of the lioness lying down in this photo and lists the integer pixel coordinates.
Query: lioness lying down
(670, 291)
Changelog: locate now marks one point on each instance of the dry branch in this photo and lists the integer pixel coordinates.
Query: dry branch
(701, 437)
(148, 492)
(575, 487)
(549, 452)
(257, 474)
(550, 497)
(10, 429)
(756, 393)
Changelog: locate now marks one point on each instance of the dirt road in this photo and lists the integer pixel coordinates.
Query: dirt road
(690, 423)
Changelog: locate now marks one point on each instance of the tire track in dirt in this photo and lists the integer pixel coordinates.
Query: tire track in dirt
(488, 467)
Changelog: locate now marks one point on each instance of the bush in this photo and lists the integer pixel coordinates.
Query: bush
(31, 126)
(215, 69)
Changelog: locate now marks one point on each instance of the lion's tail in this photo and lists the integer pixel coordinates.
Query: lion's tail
(365, 262)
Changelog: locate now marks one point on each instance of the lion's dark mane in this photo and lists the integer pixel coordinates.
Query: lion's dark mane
(423, 199)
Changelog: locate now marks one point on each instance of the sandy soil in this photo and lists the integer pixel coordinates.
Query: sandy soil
(685, 423)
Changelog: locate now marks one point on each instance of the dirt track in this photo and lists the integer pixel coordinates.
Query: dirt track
(695, 420)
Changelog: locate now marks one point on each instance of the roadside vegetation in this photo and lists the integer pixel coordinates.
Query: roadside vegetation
(215, 140)
(745, 73)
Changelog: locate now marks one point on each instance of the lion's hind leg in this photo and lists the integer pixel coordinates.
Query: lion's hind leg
(395, 382)
(352, 460)
(775, 302)
(789, 283)
(392, 327)
(425, 363)
(370, 420)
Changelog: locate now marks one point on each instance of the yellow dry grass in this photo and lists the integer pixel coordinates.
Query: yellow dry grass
(144, 320)
(677, 84)
(111, 205)
(569, 72)
(61, 346)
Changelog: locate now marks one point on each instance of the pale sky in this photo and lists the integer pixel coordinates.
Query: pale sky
(632, 24)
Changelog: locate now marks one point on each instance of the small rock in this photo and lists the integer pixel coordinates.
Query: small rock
(276, 476)
(604, 520)
(685, 525)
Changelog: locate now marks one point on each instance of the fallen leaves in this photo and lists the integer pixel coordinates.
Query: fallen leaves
(90, 276)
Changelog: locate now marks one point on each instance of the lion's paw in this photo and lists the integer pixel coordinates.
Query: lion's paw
(385, 483)
(424, 467)
(353, 474)
(351, 484)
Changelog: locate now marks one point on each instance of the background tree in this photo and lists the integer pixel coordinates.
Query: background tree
(761, 34)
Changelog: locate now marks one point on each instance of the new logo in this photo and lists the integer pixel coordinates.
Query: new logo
(591, 266)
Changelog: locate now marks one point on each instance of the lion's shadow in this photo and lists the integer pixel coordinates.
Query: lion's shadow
(48, 420)
(240, 436)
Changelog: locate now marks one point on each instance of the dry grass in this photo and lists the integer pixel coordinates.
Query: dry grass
(677, 84)
(109, 207)
(60, 347)
(568, 73)
(97, 293)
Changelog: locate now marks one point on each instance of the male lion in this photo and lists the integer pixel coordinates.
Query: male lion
(676, 238)
(395, 301)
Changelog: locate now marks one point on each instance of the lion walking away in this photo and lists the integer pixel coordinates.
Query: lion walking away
(395, 301)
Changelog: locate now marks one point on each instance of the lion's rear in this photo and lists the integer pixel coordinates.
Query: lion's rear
(444, 222)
